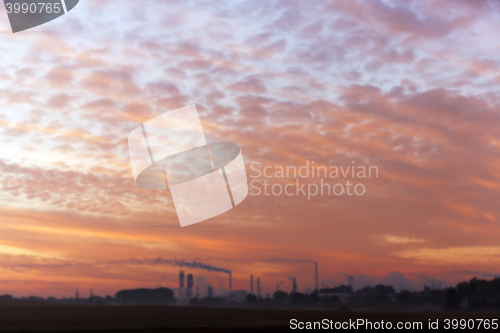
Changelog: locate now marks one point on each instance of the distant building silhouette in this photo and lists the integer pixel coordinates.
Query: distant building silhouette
(159, 296)
(239, 295)
(350, 282)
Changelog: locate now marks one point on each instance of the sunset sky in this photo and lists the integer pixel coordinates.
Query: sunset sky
(411, 87)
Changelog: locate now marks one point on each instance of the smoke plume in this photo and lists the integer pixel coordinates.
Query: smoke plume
(191, 264)
(174, 262)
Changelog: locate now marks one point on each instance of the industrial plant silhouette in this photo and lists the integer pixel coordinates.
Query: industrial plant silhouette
(244, 310)
(475, 294)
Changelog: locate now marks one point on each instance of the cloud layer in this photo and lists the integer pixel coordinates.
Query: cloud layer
(411, 88)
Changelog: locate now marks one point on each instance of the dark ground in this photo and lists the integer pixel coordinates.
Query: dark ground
(26, 316)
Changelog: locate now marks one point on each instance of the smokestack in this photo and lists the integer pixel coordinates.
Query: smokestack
(190, 284)
(181, 279)
(251, 284)
(294, 284)
(258, 287)
(316, 274)
(230, 283)
(181, 284)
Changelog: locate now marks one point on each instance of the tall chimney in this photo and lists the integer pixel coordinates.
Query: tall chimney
(316, 274)
(258, 287)
(251, 284)
(230, 283)
(181, 284)
(181, 279)
(190, 284)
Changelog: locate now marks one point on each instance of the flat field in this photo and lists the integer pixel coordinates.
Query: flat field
(25, 316)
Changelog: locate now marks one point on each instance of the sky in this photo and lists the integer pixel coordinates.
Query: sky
(412, 88)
